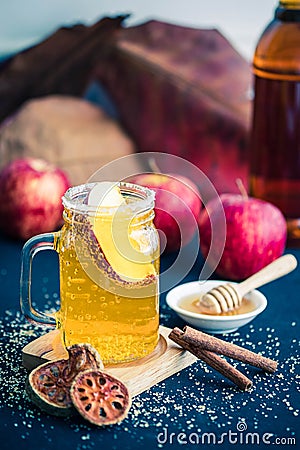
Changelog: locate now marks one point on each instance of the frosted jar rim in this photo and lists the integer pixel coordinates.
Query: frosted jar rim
(75, 200)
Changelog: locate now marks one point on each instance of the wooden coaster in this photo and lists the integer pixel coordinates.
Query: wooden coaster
(140, 375)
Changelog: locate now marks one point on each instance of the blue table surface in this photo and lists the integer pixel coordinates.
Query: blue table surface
(189, 409)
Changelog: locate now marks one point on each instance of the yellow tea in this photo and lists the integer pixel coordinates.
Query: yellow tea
(116, 312)
(108, 253)
(119, 327)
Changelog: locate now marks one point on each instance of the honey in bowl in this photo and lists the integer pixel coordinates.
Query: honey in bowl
(192, 304)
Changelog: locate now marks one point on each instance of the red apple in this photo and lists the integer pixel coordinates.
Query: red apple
(177, 206)
(30, 197)
(256, 234)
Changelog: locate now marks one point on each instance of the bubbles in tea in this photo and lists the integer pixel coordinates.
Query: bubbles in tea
(117, 315)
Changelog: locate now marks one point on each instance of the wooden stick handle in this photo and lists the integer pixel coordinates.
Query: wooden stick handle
(278, 268)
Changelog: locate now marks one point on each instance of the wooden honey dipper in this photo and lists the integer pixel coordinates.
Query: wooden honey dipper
(229, 296)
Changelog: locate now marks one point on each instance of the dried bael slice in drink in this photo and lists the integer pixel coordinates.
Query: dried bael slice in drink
(91, 257)
(49, 385)
(112, 226)
(100, 398)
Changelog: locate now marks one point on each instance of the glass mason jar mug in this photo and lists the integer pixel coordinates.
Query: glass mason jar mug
(109, 266)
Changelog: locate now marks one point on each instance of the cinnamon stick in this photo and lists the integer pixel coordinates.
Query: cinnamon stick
(207, 342)
(213, 360)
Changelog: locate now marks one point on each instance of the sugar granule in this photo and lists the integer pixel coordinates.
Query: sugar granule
(195, 399)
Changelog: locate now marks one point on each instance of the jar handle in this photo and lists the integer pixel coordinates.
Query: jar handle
(30, 249)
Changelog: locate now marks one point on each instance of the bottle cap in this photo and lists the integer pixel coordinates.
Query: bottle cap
(290, 4)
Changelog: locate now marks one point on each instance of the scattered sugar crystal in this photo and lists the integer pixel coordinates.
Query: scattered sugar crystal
(196, 396)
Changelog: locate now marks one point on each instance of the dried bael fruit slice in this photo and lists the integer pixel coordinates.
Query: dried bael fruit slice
(112, 229)
(48, 389)
(100, 398)
(92, 258)
(83, 357)
(49, 384)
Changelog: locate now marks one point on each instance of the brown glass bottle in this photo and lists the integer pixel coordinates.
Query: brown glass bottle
(275, 136)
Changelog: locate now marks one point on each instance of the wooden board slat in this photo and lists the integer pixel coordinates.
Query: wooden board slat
(166, 360)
